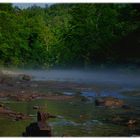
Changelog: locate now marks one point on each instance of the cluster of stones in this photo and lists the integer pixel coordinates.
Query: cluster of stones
(4, 111)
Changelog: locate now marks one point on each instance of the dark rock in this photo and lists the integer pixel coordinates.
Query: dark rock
(126, 121)
(109, 102)
(19, 116)
(25, 77)
(126, 106)
(41, 128)
(34, 96)
(131, 122)
(33, 130)
(35, 107)
(99, 102)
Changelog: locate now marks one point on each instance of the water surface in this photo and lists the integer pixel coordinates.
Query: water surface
(78, 117)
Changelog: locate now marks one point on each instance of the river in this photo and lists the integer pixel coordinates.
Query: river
(81, 117)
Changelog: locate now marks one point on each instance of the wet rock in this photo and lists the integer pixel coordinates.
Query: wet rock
(33, 130)
(41, 127)
(12, 114)
(21, 116)
(18, 116)
(35, 107)
(99, 102)
(35, 96)
(25, 77)
(126, 121)
(109, 102)
(126, 106)
(132, 122)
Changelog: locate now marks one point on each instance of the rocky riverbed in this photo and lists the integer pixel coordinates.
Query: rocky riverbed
(87, 109)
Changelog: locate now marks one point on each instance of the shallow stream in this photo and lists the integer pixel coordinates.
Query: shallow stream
(79, 117)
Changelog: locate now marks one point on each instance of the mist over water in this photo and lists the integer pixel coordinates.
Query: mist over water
(80, 113)
(122, 77)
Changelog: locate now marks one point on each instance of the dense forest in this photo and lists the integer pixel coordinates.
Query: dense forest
(69, 35)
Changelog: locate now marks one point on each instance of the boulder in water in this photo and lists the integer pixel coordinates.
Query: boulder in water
(25, 77)
(109, 102)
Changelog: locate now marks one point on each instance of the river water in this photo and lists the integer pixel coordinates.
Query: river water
(78, 117)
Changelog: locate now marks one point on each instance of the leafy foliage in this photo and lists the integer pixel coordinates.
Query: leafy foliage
(67, 34)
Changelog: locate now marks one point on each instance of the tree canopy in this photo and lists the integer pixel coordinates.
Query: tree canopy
(68, 35)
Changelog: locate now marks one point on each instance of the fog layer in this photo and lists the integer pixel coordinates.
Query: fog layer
(123, 77)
